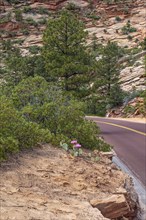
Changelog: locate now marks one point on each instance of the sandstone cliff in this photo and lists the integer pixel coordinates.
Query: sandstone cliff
(105, 21)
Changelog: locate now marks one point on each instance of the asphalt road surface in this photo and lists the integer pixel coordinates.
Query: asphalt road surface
(129, 142)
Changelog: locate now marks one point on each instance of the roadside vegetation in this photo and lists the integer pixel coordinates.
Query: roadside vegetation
(42, 94)
(45, 95)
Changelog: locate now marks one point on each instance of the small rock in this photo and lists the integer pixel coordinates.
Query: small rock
(108, 154)
(79, 186)
(80, 171)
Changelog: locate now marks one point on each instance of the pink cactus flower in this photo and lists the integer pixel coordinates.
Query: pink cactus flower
(77, 146)
(74, 142)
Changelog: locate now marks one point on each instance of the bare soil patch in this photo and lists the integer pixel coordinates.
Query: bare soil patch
(47, 183)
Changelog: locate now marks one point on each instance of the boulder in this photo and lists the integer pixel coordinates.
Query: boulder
(112, 207)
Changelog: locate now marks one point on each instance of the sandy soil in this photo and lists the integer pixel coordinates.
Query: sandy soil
(49, 184)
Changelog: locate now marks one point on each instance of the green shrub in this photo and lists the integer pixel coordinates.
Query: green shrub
(126, 29)
(141, 107)
(11, 33)
(30, 134)
(129, 37)
(72, 7)
(14, 1)
(18, 15)
(56, 139)
(86, 133)
(42, 10)
(105, 31)
(25, 31)
(31, 91)
(17, 133)
(136, 40)
(129, 96)
(7, 144)
(30, 21)
(94, 16)
(118, 19)
(126, 10)
(95, 106)
(6, 45)
(42, 21)
(129, 109)
(27, 9)
(67, 119)
(18, 41)
(52, 110)
(143, 95)
(3, 20)
(143, 44)
(34, 49)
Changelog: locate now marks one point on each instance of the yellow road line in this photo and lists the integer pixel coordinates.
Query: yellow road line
(120, 126)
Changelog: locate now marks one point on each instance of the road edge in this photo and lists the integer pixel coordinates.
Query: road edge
(138, 186)
(133, 120)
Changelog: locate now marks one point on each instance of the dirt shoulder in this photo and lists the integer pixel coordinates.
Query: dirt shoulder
(49, 184)
(139, 120)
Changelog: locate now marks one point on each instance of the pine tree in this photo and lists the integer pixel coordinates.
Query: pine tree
(66, 58)
(107, 75)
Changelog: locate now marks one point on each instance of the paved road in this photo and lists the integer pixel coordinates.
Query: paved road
(129, 141)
